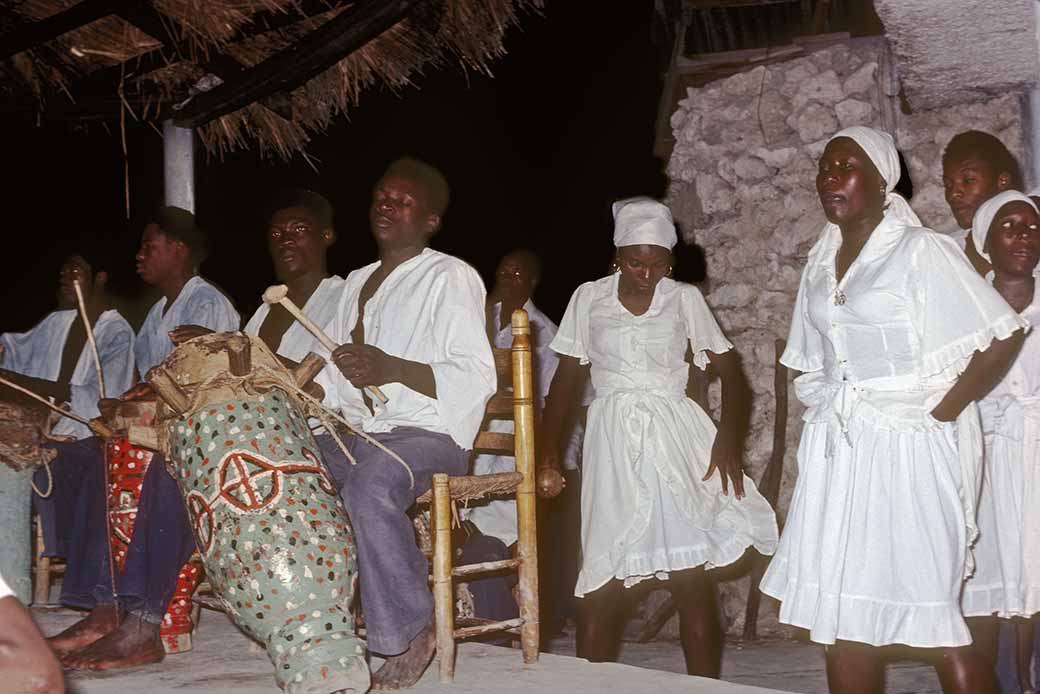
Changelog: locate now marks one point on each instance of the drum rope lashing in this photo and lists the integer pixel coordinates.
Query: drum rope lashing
(264, 376)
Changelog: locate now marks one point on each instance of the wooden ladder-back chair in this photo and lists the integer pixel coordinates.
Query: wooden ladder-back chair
(514, 368)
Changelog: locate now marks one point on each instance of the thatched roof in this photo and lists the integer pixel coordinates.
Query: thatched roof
(191, 59)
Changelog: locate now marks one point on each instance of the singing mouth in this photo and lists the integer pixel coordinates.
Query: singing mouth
(831, 199)
(382, 221)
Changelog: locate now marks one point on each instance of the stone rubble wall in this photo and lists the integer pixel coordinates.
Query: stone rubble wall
(742, 186)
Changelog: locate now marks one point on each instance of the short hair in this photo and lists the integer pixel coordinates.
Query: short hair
(426, 175)
(97, 257)
(987, 148)
(316, 204)
(528, 258)
(179, 225)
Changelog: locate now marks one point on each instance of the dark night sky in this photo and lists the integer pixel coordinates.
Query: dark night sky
(535, 155)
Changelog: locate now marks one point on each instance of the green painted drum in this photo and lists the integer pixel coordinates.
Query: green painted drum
(15, 537)
(274, 537)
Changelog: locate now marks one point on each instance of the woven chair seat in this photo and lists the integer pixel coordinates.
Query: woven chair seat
(478, 486)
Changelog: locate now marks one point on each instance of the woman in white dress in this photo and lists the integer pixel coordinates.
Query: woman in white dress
(651, 503)
(896, 336)
(1006, 582)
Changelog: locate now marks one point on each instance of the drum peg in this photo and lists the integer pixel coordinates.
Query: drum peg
(240, 357)
(307, 369)
(168, 390)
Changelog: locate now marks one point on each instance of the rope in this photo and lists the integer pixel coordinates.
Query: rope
(321, 411)
(265, 376)
(50, 479)
(63, 412)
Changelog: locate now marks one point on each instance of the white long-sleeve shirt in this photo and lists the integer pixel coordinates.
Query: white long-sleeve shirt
(297, 341)
(199, 303)
(38, 352)
(430, 310)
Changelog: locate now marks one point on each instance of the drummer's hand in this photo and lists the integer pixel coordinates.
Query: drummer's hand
(726, 459)
(183, 333)
(138, 392)
(365, 365)
(107, 407)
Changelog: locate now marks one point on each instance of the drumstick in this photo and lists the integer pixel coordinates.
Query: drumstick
(90, 338)
(279, 294)
(97, 428)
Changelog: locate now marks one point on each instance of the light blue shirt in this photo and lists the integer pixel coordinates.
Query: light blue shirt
(37, 353)
(199, 303)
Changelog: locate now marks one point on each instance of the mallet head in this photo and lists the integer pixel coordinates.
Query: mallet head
(275, 293)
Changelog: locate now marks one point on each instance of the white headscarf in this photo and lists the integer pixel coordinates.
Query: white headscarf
(881, 149)
(642, 220)
(987, 211)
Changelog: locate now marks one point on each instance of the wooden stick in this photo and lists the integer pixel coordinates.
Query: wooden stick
(485, 567)
(96, 427)
(279, 294)
(769, 486)
(505, 625)
(90, 337)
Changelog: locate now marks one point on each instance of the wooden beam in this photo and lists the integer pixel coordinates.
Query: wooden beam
(147, 19)
(710, 4)
(293, 66)
(80, 14)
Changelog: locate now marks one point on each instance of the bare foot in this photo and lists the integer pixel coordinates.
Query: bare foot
(401, 671)
(102, 620)
(135, 642)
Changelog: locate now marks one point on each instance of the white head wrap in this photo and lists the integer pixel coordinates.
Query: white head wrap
(881, 149)
(642, 220)
(987, 211)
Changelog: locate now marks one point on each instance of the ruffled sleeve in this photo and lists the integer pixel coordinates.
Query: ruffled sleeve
(572, 339)
(804, 350)
(955, 312)
(702, 329)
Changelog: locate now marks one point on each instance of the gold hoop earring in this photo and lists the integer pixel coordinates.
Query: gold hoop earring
(614, 268)
(669, 273)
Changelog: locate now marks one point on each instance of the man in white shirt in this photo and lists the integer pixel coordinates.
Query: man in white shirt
(516, 278)
(976, 166)
(411, 324)
(172, 248)
(54, 359)
(299, 234)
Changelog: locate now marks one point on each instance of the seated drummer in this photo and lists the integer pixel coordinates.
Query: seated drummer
(412, 324)
(299, 234)
(53, 359)
(125, 633)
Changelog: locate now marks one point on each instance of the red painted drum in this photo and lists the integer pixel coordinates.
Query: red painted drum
(127, 463)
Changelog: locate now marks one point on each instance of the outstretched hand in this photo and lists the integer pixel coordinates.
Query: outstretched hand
(726, 459)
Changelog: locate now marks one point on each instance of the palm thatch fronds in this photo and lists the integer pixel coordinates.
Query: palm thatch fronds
(155, 56)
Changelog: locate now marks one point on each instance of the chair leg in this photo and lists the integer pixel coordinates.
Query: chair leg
(527, 588)
(42, 586)
(443, 599)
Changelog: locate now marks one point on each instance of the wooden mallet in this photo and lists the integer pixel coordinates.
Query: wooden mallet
(279, 294)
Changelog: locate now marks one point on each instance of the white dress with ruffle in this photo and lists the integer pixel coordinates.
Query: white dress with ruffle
(1006, 581)
(645, 510)
(876, 545)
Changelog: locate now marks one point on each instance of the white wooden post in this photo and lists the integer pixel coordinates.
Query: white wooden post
(179, 166)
